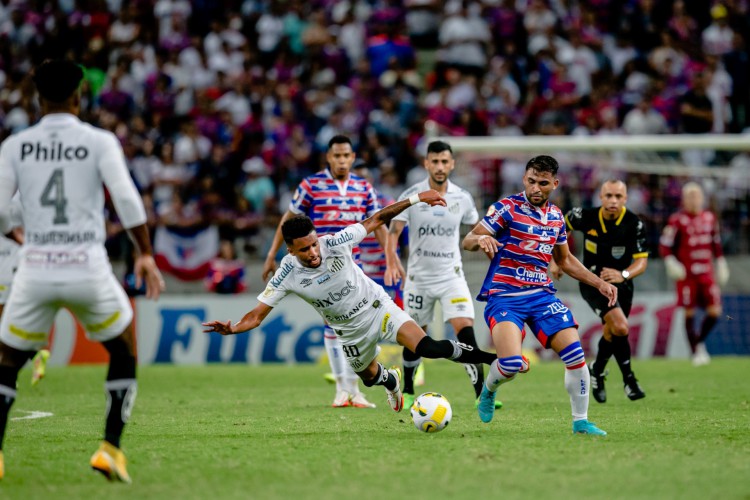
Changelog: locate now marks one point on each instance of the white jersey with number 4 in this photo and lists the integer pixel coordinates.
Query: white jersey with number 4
(58, 167)
(338, 289)
(434, 233)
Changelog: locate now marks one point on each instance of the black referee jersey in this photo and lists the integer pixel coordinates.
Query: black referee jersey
(608, 243)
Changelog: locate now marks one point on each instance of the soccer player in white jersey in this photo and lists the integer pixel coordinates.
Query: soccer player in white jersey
(333, 198)
(59, 166)
(9, 249)
(435, 267)
(322, 271)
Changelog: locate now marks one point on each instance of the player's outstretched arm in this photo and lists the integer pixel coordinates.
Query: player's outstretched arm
(249, 321)
(145, 268)
(269, 266)
(394, 270)
(573, 268)
(384, 215)
(480, 238)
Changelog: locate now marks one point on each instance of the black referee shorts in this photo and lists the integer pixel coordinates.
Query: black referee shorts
(598, 302)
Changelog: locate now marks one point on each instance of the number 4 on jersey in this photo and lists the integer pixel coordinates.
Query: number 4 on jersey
(54, 196)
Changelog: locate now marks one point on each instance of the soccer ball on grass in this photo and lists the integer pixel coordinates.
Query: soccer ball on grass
(431, 412)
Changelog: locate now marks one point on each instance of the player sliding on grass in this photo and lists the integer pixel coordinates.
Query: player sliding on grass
(322, 271)
(520, 234)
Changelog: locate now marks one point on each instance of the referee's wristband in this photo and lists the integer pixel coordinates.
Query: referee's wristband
(414, 199)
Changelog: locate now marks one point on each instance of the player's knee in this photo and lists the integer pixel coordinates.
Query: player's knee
(573, 356)
(619, 328)
(510, 365)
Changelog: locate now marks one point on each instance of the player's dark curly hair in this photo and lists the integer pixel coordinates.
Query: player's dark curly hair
(439, 147)
(543, 163)
(297, 226)
(57, 79)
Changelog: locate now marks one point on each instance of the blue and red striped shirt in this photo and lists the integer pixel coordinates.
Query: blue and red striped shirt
(527, 235)
(333, 205)
(372, 254)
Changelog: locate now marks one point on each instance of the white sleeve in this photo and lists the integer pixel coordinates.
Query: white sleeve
(8, 186)
(471, 216)
(276, 288)
(346, 239)
(404, 216)
(114, 172)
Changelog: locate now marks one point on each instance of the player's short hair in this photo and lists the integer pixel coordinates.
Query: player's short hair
(340, 139)
(439, 147)
(543, 163)
(614, 180)
(57, 80)
(297, 226)
(691, 186)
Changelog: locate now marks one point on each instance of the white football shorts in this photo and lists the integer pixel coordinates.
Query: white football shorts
(4, 290)
(101, 306)
(454, 297)
(361, 348)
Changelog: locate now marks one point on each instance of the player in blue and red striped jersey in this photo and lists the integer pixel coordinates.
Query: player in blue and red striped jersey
(333, 198)
(372, 255)
(521, 233)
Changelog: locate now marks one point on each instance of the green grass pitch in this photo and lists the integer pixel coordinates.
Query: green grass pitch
(215, 432)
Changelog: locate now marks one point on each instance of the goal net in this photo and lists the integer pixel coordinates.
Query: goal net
(653, 167)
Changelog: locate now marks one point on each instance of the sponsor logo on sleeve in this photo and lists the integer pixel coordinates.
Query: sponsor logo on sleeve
(339, 239)
(276, 280)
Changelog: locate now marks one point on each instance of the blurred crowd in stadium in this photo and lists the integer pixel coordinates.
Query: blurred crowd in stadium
(224, 106)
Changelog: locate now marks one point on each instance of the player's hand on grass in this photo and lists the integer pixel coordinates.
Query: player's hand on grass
(432, 198)
(610, 291)
(269, 267)
(611, 275)
(145, 269)
(219, 327)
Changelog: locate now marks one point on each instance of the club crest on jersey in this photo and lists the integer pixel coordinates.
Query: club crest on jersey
(618, 252)
(454, 208)
(335, 264)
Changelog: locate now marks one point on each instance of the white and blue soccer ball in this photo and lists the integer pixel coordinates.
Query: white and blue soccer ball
(431, 412)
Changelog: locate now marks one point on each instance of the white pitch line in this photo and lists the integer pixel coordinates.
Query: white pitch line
(33, 414)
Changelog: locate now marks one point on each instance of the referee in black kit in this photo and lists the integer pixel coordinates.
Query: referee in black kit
(615, 250)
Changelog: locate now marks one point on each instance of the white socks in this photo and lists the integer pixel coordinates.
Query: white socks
(496, 378)
(346, 379)
(577, 384)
